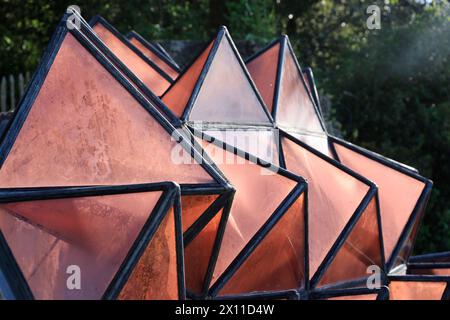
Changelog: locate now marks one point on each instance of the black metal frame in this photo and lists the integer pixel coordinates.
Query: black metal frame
(430, 257)
(100, 20)
(163, 55)
(411, 172)
(223, 32)
(424, 278)
(219, 187)
(87, 31)
(420, 204)
(430, 261)
(382, 293)
(371, 193)
(299, 189)
(312, 85)
(5, 120)
(16, 287)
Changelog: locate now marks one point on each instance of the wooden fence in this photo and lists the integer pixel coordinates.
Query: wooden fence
(12, 88)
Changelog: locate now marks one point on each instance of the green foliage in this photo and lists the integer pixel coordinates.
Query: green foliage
(388, 88)
(252, 20)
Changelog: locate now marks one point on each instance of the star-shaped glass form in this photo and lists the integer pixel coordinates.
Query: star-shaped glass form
(83, 123)
(217, 97)
(122, 242)
(293, 102)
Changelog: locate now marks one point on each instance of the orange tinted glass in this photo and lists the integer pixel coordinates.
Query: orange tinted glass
(85, 128)
(155, 275)
(416, 290)
(153, 57)
(334, 197)
(146, 73)
(193, 207)
(396, 207)
(263, 70)
(278, 262)
(407, 247)
(177, 96)
(226, 94)
(198, 253)
(259, 191)
(360, 250)
(93, 233)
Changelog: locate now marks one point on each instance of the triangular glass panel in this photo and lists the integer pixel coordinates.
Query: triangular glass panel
(278, 262)
(416, 290)
(361, 250)
(98, 234)
(292, 106)
(258, 190)
(223, 90)
(396, 208)
(83, 123)
(335, 195)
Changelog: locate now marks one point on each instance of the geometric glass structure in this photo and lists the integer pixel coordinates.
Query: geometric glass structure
(216, 96)
(249, 198)
(194, 95)
(400, 214)
(109, 234)
(278, 77)
(81, 123)
(217, 100)
(267, 219)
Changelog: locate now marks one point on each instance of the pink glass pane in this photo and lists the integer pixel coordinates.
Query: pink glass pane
(259, 191)
(263, 70)
(360, 250)
(155, 277)
(278, 261)
(398, 193)
(295, 108)
(94, 233)
(85, 128)
(333, 195)
(197, 254)
(177, 96)
(416, 290)
(146, 73)
(226, 94)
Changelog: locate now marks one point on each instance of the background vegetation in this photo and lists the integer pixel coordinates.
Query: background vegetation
(387, 89)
